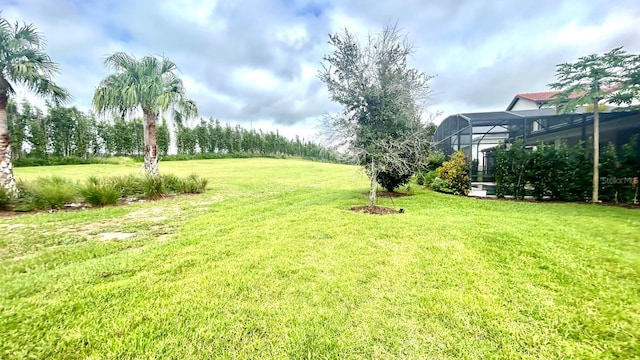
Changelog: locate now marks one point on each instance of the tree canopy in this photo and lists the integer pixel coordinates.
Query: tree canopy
(591, 79)
(612, 77)
(382, 101)
(151, 85)
(24, 62)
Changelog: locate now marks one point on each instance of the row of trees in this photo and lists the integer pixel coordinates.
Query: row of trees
(612, 77)
(67, 131)
(149, 86)
(562, 172)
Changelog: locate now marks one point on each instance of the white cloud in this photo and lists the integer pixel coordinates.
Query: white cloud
(255, 61)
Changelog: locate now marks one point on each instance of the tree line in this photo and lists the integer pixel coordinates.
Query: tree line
(69, 132)
(149, 85)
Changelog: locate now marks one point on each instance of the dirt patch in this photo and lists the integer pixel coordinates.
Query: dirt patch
(144, 213)
(377, 210)
(82, 206)
(115, 236)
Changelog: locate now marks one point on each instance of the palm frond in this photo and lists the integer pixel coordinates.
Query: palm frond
(149, 83)
(24, 61)
(28, 34)
(120, 62)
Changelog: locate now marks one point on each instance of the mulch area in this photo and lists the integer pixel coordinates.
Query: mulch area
(376, 210)
(389, 194)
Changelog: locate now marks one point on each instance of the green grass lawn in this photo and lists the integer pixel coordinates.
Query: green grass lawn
(269, 264)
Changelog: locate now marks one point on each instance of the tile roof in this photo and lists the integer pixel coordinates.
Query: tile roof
(538, 96)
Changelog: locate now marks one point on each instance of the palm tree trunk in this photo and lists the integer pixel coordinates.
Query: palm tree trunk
(150, 146)
(596, 152)
(7, 180)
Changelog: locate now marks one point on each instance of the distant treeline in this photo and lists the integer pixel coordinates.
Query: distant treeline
(67, 135)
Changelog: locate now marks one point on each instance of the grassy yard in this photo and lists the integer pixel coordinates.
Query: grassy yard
(269, 264)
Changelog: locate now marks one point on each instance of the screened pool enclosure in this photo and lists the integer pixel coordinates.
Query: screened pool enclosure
(477, 133)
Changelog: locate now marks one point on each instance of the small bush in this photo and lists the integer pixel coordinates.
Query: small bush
(428, 178)
(5, 198)
(391, 180)
(153, 187)
(194, 184)
(455, 174)
(53, 192)
(100, 193)
(439, 185)
(26, 200)
(435, 160)
(172, 183)
(128, 185)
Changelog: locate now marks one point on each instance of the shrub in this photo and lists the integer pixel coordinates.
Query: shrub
(128, 185)
(100, 193)
(153, 187)
(455, 174)
(428, 178)
(391, 180)
(616, 183)
(52, 192)
(194, 184)
(435, 160)
(575, 180)
(172, 183)
(543, 171)
(511, 169)
(5, 198)
(558, 171)
(440, 185)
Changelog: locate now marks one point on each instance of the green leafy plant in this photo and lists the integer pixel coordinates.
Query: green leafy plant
(5, 198)
(172, 183)
(511, 165)
(52, 192)
(194, 184)
(128, 185)
(435, 160)
(100, 192)
(153, 187)
(392, 180)
(455, 174)
(440, 185)
(426, 179)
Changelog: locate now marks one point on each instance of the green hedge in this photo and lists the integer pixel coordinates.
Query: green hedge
(564, 173)
(74, 160)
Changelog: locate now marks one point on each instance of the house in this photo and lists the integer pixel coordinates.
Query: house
(541, 100)
(531, 101)
(530, 118)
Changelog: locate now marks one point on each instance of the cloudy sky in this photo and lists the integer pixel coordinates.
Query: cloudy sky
(254, 62)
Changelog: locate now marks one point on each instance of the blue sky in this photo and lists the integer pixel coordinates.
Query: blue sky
(254, 62)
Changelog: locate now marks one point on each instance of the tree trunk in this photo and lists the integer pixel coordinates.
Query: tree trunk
(7, 180)
(150, 146)
(596, 152)
(374, 186)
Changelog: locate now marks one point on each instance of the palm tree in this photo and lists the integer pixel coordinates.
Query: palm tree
(149, 84)
(22, 62)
